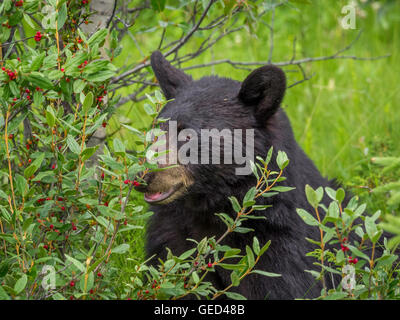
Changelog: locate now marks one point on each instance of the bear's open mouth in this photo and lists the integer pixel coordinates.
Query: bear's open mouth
(160, 196)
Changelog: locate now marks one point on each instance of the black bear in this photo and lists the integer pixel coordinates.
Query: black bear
(186, 197)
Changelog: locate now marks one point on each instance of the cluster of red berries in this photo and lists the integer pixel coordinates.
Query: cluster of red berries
(353, 260)
(52, 228)
(12, 75)
(83, 64)
(6, 25)
(343, 246)
(19, 3)
(135, 183)
(38, 36)
(104, 124)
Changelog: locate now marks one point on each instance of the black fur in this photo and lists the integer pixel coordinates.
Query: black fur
(214, 102)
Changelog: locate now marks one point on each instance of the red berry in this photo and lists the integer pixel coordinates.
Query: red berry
(104, 124)
(51, 226)
(344, 248)
(38, 36)
(209, 265)
(136, 184)
(127, 181)
(45, 246)
(72, 283)
(99, 274)
(62, 208)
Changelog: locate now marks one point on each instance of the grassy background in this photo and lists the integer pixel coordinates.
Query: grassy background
(347, 113)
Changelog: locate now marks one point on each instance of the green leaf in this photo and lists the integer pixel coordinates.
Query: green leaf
(336, 296)
(243, 230)
(250, 195)
(282, 188)
(196, 278)
(235, 203)
(307, 218)
(88, 152)
(29, 21)
(38, 80)
(254, 169)
(314, 197)
(73, 145)
(333, 210)
(89, 283)
(340, 194)
(134, 130)
(357, 252)
(119, 147)
(121, 248)
(187, 254)
(267, 274)
(158, 5)
(235, 296)
(29, 171)
(3, 294)
(97, 37)
(87, 102)
(62, 16)
(100, 76)
(76, 263)
(79, 85)
(21, 185)
(38, 61)
(20, 284)
(149, 109)
(250, 257)
(256, 246)
(282, 160)
(50, 117)
(235, 279)
(265, 247)
(231, 253)
(58, 296)
(370, 227)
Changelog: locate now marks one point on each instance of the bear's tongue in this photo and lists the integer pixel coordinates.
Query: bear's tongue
(154, 196)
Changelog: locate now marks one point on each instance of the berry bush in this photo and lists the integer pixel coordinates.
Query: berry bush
(66, 206)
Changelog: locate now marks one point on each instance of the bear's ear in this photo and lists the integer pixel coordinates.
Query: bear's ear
(169, 78)
(264, 89)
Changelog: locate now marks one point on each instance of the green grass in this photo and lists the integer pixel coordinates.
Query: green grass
(346, 114)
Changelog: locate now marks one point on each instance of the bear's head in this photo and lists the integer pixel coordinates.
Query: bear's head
(215, 126)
